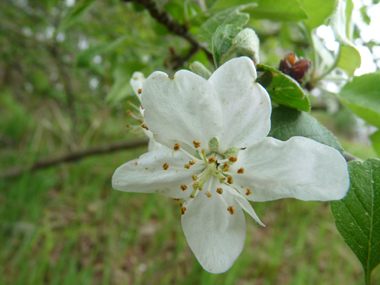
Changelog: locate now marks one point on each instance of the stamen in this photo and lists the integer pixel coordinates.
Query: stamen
(144, 127)
(139, 91)
(189, 155)
(208, 194)
(183, 210)
(212, 159)
(187, 166)
(177, 146)
(176, 199)
(231, 210)
(183, 187)
(196, 184)
(196, 144)
(165, 166)
(127, 125)
(219, 190)
(241, 170)
(226, 166)
(229, 180)
(232, 158)
(133, 105)
(249, 192)
(194, 177)
(192, 196)
(192, 162)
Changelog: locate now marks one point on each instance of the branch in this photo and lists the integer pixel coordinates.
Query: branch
(73, 156)
(176, 28)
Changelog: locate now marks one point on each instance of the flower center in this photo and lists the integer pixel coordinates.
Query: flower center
(214, 167)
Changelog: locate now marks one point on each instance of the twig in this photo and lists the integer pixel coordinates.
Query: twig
(350, 157)
(73, 156)
(173, 26)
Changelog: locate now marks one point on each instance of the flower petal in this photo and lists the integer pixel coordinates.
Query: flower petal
(184, 108)
(298, 168)
(146, 175)
(246, 104)
(137, 82)
(214, 235)
(244, 204)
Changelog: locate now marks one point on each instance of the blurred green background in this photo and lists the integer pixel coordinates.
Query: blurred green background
(64, 87)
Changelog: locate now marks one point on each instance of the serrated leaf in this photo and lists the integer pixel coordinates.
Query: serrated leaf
(348, 59)
(229, 16)
(285, 90)
(318, 14)
(200, 69)
(287, 122)
(85, 57)
(357, 216)
(362, 96)
(375, 140)
(289, 10)
(230, 40)
(79, 10)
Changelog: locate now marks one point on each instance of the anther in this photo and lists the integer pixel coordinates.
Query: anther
(139, 91)
(183, 187)
(165, 166)
(144, 127)
(192, 196)
(196, 144)
(196, 183)
(177, 146)
(229, 180)
(226, 166)
(212, 159)
(219, 190)
(208, 194)
(187, 166)
(231, 210)
(249, 192)
(232, 158)
(192, 162)
(241, 170)
(176, 199)
(127, 125)
(194, 177)
(183, 210)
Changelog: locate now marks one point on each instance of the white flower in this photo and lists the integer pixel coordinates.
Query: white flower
(222, 157)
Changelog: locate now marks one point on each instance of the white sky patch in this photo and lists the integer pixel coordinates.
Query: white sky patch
(97, 59)
(326, 33)
(83, 43)
(70, 3)
(61, 37)
(94, 83)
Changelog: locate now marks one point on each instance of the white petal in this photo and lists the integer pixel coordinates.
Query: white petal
(246, 104)
(137, 82)
(244, 204)
(184, 108)
(146, 175)
(298, 168)
(214, 235)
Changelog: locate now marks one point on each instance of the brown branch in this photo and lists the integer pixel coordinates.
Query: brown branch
(73, 156)
(176, 28)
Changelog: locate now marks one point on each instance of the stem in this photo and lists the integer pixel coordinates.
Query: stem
(368, 276)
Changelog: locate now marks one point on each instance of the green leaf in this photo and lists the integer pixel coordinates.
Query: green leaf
(230, 40)
(229, 16)
(79, 10)
(318, 13)
(288, 122)
(357, 216)
(275, 10)
(375, 140)
(283, 89)
(121, 86)
(348, 59)
(85, 57)
(213, 145)
(362, 96)
(200, 69)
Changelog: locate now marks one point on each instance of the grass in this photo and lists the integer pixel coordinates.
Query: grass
(65, 225)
